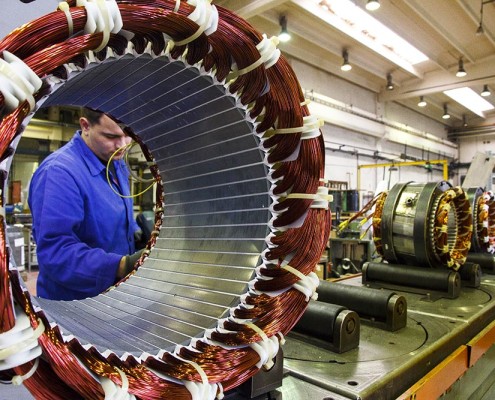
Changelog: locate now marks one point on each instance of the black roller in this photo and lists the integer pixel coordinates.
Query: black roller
(383, 308)
(485, 260)
(363, 300)
(432, 279)
(470, 274)
(319, 320)
(337, 326)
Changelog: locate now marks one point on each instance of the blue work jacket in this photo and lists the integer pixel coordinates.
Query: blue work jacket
(81, 227)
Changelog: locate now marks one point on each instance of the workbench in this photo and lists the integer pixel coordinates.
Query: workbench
(446, 350)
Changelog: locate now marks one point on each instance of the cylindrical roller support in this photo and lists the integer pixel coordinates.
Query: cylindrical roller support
(332, 323)
(383, 307)
(410, 278)
(470, 274)
(485, 260)
(426, 225)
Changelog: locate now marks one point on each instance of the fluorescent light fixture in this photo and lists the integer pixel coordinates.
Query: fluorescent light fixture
(470, 99)
(355, 22)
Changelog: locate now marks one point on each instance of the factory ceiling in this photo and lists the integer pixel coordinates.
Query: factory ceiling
(447, 32)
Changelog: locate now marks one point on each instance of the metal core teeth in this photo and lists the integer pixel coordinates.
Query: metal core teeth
(216, 210)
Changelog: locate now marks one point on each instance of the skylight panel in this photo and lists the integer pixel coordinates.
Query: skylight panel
(470, 99)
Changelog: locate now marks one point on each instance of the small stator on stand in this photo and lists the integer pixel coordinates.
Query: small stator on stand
(423, 232)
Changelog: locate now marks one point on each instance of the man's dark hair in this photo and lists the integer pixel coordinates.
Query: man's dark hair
(92, 116)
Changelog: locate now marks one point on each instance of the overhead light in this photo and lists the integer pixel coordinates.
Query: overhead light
(480, 29)
(422, 102)
(471, 100)
(464, 121)
(345, 65)
(284, 34)
(390, 84)
(461, 72)
(372, 5)
(360, 25)
(446, 114)
(486, 92)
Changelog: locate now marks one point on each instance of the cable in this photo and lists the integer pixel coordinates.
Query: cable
(124, 149)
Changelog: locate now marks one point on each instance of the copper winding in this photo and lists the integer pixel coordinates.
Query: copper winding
(274, 96)
(7, 318)
(491, 221)
(375, 207)
(456, 256)
(481, 221)
(377, 222)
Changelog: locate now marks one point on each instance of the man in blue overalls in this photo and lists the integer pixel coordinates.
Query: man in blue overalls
(84, 231)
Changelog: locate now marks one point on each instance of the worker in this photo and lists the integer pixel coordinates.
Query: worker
(83, 223)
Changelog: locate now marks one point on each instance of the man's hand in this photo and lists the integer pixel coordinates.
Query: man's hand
(140, 240)
(127, 263)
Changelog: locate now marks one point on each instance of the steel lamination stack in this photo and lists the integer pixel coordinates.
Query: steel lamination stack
(229, 268)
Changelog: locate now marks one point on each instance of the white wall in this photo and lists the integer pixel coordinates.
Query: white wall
(359, 144)
(16, 13)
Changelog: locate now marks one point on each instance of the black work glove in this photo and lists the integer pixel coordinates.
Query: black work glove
(127, 263)
(139, 240)
(131, 260)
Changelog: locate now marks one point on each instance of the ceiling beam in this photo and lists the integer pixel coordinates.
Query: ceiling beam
(336, 23)
(308, 48)
(248, 9)
(445, 33)
(476, 16)
(479, 74)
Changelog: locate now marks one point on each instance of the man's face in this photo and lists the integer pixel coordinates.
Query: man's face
(104, 138)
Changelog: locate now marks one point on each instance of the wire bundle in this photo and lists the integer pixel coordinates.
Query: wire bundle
(249, 66)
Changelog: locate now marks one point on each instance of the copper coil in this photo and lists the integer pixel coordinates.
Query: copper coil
(275, 90)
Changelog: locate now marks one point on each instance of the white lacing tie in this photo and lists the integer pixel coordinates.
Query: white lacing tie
(18, 82)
